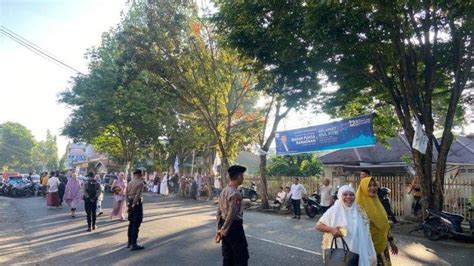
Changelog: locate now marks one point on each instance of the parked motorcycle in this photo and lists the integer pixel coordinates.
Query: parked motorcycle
(441, 224)
(383, 194)
(249, 192)
(26, 190)
(312, 205)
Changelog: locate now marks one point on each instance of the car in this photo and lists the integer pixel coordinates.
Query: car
(16, 181)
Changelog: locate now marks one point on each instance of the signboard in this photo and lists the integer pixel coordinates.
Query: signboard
(349, 133)
(76, 157)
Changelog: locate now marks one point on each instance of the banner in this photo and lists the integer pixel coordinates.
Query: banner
(349, 133)
(76, 157)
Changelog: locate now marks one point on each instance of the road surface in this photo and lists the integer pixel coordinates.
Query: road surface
(176, 232)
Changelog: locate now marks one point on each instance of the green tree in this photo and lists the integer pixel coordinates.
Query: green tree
(51, 152)
(288, 89)
(16, 145)
(294, 165)
(179, 52)
(412, 55)
(113, 107)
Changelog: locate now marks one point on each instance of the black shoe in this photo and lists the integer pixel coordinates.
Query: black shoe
(128, 245)
(89, 229)
(294, 217)
(137, 247)
(94, 227)
(299, 217)
(100, 213)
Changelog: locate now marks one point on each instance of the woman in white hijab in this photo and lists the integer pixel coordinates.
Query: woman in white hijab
(346, 218)
(164, 185)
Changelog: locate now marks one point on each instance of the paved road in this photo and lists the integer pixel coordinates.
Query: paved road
(175, 232)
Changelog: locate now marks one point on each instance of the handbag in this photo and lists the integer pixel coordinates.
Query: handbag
(335, 256)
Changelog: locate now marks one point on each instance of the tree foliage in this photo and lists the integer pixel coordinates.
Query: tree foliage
(16, 145)
(294, 165)
(179, 53)
(415, 56)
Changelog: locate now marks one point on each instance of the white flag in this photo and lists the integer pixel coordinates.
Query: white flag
(176, 165)
(217, 162)
(420, 140)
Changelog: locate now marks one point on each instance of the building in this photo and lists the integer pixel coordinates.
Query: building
(394, 161)
(469, 109)
(77, 152)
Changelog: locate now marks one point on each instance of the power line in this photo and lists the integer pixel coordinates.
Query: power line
(32, 49)
(14, 147)
(35, 48)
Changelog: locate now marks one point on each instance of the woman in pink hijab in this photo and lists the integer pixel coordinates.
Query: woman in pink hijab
(72, 193)
(119, 188)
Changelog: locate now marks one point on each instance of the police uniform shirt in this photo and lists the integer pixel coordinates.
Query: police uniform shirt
(134, 190)
(229, 207)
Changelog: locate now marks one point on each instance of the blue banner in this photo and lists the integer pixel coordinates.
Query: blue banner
(349, 133)
(76, 157)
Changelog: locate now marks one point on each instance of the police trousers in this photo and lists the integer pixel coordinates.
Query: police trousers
(234, 246)
(135, 218)
(90, 207)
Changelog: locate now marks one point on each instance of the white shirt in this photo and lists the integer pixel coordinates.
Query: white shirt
(53, 184)
(297, 191)
(326, 195)
(217, 182)
(281, 196)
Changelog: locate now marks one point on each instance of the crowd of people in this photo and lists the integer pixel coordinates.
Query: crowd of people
(356, 218)
(59, 187)
(185, 186)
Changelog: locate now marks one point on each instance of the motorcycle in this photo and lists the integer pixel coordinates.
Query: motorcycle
(249, 192)
(312, 205)
(383, 194)
(441, 224)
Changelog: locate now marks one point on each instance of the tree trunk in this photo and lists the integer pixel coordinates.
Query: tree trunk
(441, 171)
(170, 164)
(263, 181)
(224, 175)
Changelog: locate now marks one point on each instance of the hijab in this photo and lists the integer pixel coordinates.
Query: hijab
(358, 238)
(379, 226)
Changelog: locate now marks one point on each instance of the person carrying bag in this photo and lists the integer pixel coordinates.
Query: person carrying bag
(346, 239)
(335, 256)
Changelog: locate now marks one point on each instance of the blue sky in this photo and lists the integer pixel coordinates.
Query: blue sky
(29, 84)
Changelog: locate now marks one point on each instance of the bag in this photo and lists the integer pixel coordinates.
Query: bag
(91, 189)
(340, 257)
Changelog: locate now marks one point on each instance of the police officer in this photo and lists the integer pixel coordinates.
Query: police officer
(230, 228)
(135, 209)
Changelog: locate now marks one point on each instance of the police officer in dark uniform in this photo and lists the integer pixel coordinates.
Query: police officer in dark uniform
(135, 209)
(230, 228)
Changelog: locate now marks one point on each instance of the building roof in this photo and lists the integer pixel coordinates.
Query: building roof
(461, 153)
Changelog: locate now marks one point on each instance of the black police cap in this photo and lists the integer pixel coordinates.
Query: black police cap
(137, 172)
(236, 169)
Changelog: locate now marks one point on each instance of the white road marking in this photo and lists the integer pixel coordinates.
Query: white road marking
(278, 243)
(285, 245)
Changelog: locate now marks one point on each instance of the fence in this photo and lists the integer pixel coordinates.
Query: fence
(458, 196)
(398, 186)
